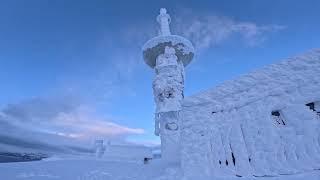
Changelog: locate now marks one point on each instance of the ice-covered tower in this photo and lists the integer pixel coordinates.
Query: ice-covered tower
(168, 55)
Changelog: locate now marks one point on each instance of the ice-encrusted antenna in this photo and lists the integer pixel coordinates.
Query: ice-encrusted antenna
(164, 21)
(156, 46)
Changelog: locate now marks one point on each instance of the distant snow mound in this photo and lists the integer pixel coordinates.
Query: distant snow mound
(6, 157)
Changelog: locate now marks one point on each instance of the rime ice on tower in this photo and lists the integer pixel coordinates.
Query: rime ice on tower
(168, 55)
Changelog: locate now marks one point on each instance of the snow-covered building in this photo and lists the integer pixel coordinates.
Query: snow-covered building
(264, 123)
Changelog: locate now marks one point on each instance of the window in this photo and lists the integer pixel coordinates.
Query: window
(276, 116)
(315, 107)
(311, 106)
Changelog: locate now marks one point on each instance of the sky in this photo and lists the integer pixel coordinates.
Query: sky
(74, 69)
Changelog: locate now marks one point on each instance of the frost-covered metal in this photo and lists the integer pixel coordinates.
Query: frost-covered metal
(184, 49)
(168, 55)
(164, 21)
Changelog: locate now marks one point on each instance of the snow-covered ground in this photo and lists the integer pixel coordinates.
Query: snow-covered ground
(78, 169)
(94, 169)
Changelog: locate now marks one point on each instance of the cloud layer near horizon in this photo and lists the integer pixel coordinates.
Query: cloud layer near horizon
(63, 118)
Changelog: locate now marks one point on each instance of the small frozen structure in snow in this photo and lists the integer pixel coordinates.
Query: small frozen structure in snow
(168, 55)
(265, 123)
(99, 148)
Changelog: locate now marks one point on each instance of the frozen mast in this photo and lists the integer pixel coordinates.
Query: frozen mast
(168, 55)
(164, 21)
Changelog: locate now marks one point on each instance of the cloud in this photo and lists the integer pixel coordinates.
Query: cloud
(60, 118)
(204, 30)
(208, 30)
(84, 125)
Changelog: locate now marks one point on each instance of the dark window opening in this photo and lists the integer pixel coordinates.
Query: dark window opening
(275, 113)
(213, 112)
(219, 162)
(146, 160)
(233, 159)
(277, 117)
(311, 106)
(227, 162)
(249, 159)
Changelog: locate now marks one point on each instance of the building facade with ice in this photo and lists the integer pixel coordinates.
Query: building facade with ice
(264, 123)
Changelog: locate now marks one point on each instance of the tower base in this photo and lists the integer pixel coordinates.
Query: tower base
(170, 136)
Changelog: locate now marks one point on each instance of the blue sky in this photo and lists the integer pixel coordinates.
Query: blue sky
(86, 55)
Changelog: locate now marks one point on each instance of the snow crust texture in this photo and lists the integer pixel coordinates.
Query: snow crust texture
(90, 169)
(265, 123)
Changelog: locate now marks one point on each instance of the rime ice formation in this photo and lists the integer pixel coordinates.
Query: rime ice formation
(164, 21)
(265, 123)
(168, 55)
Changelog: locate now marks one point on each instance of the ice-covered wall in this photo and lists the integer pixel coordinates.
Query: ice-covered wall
(258, 124)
